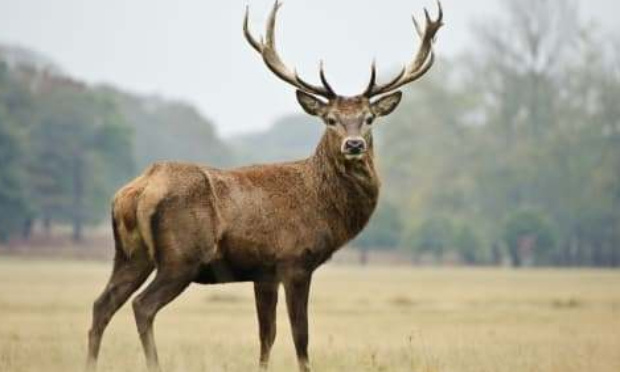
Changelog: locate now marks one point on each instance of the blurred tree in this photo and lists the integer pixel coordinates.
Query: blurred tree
(433, 236)
(536, 134)
(383, 231)
(14, 207)
(68, 146)
(529, 234)
(81, 152)
(529, 118)
(468, 245)
(169, 131)
(426, 151)
(291, 137)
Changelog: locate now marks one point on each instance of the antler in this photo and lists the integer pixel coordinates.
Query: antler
(267, 50)
(420, 65)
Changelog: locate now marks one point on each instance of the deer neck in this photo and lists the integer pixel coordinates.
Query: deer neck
(349, 188)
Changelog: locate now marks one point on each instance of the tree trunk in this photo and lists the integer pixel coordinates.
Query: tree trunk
(78, 196)
(363, 256)
(47, 226)
(496, 254)
(515, 256)
(77, 230)
(27, 228)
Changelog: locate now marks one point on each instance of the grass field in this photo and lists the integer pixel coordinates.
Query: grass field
(469, 320)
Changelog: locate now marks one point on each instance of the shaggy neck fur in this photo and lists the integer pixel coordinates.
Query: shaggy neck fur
(349, 187)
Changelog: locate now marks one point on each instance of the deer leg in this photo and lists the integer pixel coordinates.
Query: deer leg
(266, 294)
(166, 286)
(297, 290)
(127, 277)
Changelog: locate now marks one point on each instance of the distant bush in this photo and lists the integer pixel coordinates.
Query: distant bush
(529, 234)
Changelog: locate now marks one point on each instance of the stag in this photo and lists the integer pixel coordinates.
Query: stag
(266, 224)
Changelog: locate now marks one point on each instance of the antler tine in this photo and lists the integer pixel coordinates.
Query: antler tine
(373, 79)
(268, 51)
(258, 46)
(428, 17)
(418, 29)
(440, 15)
(324, 80)
(423, 60)
(372, 85)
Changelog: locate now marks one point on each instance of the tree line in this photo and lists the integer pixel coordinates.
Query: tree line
(511, 153)
(65, 147)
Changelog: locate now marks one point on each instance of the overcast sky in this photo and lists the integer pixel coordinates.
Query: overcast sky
(194, 49)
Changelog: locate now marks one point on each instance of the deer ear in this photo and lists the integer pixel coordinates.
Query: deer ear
(311, 104)
(386, 104)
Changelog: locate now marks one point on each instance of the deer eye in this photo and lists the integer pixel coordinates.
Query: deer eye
(331, 121)
(369, 120)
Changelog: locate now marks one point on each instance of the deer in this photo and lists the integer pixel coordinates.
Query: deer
(270, 225)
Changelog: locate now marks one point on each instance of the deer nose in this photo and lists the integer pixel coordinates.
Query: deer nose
(354, 146)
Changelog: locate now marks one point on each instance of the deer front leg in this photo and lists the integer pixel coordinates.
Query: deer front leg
(266, 294)
(297, 290)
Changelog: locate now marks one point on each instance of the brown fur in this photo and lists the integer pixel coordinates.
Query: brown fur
(256, 218)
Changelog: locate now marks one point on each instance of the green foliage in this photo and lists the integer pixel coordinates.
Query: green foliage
(439, 235)
(469, 245)
(78, 151)
(66, 147)
(529, 230)
(383, 230)
(513, 127)
(434, 235)
(13, 203)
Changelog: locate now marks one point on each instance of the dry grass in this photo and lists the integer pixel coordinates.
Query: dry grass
(361, 320)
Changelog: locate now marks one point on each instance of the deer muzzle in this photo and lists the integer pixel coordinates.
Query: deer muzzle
(354, 147)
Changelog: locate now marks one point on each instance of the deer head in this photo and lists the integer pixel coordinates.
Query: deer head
(351, 118)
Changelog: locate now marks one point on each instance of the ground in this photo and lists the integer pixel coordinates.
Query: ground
(362, 319)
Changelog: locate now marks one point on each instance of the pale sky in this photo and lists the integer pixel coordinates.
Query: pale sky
(194, 49)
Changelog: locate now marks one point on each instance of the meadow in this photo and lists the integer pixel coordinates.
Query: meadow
(362, 319)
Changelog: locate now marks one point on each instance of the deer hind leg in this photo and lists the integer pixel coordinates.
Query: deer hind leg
(266, 294)
(297, 289)
(128, 275)
(182, 240)
(167, 285)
